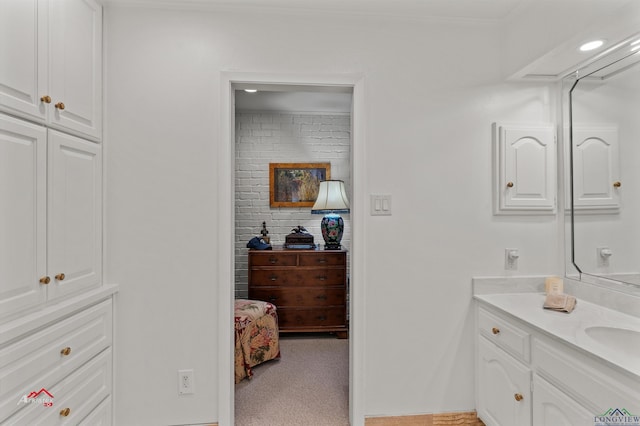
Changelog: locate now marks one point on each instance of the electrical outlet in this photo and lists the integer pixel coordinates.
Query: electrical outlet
(511, 256)
(186, 384)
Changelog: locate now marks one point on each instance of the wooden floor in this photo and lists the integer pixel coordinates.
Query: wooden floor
(466, 419)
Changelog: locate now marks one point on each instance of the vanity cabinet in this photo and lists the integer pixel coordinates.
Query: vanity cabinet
(524, 169)
(52, 213)
(596, 178)
(52, 70)
(526, 377)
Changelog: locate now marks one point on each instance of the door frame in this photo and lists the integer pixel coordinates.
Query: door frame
(226, 234)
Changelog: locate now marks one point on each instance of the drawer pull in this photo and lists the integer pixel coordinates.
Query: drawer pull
(322, 260)
(66, 351)
(59, 105)
(321, 318)
(65, 412)
(518, 397)
(495, 330)
(46, 99)
(45, 280)
(273, 260)
(617, 184)
(60, 277)
(321, 277)
(273, 277)
(322, 297)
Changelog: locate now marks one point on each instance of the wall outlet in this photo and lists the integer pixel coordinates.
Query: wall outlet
(186, 384)
(511, 256)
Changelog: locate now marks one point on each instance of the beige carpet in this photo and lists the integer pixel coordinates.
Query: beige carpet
(309, 385)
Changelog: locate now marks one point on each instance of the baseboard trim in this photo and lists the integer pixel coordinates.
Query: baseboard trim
(469, 418)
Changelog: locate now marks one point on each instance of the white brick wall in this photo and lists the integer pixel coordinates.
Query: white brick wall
(263, 138)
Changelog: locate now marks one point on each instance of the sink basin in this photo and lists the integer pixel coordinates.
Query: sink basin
(617, 339)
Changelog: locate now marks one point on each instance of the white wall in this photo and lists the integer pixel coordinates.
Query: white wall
(432, 91)
(270, 137)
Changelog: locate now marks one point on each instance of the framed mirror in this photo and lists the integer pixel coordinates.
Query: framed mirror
(603, 141)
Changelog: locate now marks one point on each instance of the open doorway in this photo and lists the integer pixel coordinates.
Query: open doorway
(292, 124)
(226, 233)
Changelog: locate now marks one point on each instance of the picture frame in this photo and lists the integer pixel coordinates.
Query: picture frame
(296, 184)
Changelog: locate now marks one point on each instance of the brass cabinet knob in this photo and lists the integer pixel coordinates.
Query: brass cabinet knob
(60, 277)
(46, 99)
(65, 412)
(495, 330)
(509, 184)
(59, 105)
(66, 351)
(45, 280)
(617, 184)
(518, 397)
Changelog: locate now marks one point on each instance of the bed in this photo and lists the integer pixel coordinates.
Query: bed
(256, 336)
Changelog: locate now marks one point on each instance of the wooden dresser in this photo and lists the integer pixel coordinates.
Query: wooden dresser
(309, 287)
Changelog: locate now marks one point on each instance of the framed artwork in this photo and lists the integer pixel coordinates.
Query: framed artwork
(296, 184)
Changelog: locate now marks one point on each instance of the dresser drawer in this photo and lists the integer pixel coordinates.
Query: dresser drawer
(300, 296)
(505, 334)
(271, 258)
(298, 277)
(81, 393)
(42, 359)
(323, 258)
(311, 317)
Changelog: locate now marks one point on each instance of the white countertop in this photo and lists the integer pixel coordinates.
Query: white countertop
(570, 327)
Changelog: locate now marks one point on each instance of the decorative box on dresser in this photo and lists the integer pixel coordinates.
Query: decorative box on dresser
(308, 287)
(56, 313)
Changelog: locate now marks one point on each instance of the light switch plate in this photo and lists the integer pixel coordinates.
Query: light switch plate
(380, 205)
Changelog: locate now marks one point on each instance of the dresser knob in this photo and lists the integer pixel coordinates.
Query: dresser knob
(59, 105)
(66, 351)
(65, 412)
(273, 260)
(509, 184)
(321, 277)
(273, 277)
(322, 260)
(45, 280)
(60, 277)
(322, 297)
(518, 397)
(617, 184)
(495, 330)
(321, 318)
(46, 99)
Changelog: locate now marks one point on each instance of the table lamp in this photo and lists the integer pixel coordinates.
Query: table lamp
(332, 199)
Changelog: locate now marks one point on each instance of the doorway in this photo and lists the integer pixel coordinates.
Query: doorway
(227, 216)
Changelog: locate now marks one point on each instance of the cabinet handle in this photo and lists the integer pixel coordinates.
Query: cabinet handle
(321, 277)
(518, 397)
(273, 277)
(321, 318)
(60, 277)
(617, 184)
(495, 330)
(322, 260)
(59, 105)
(45, 280)
(509, 184)
(65, 412)
(322, 297)
(66, 351)
(46, 99)
(273, 260)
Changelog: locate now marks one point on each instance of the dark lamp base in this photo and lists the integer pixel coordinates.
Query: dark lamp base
(332, 247)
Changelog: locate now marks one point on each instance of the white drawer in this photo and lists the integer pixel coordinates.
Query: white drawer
(74, 398)
(594, 385)
(505, 334)
(37, 361)
(100, 416)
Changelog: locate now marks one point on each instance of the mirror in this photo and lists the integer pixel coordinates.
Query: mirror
(604, 165)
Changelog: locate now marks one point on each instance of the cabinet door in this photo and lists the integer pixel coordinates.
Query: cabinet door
(504, 396)
(23, 60)
(75, 214)
(596, 171)
(525, 169)
(76, 65)
(23, 166)
(554, 408)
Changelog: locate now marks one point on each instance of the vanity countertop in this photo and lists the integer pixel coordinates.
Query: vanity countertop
(571, 327)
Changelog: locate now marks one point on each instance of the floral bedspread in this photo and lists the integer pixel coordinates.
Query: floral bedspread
(256, 335)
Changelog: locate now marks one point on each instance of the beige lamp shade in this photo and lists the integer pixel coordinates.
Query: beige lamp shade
(332, 197)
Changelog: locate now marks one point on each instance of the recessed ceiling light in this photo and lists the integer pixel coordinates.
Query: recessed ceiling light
(591, 45)
(250, 90)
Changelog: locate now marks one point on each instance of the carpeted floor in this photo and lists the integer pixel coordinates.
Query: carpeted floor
(309, 385)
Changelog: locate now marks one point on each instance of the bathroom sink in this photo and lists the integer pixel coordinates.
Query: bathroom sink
(618, 339)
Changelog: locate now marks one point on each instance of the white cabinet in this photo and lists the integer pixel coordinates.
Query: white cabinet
(51, 187)
(596, 171)
(552, 407)
(524, 169)
(51, 65)
(504, 387)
